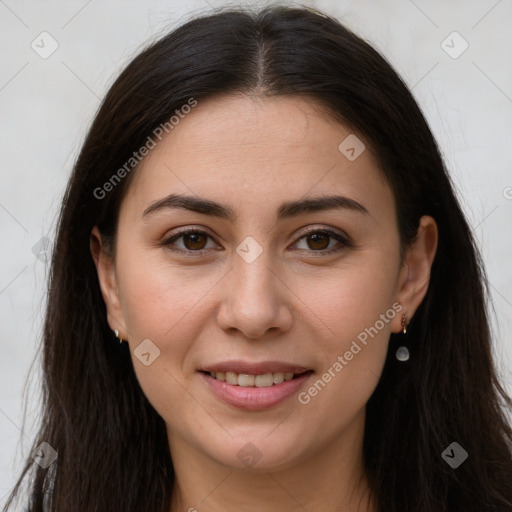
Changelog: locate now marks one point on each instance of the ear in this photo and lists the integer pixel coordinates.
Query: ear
(415, 273)
(105, 268)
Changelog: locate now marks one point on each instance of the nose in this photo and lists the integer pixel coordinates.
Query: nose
(255, 301)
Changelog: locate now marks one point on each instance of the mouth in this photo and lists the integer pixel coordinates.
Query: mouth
(264, 380)
(255, 386)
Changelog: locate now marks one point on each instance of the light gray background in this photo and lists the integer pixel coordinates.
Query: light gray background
(47, 104)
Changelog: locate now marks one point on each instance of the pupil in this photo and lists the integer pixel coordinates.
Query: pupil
(319, 238)
(195, 238)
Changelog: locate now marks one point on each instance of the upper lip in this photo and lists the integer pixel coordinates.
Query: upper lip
(254, 368)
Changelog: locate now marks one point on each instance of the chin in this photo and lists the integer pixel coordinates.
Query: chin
(261, 453)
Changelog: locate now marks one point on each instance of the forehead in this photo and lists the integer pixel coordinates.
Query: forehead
(256, 151)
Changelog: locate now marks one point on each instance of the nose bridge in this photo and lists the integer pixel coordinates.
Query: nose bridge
(253, 301)
(252, 272)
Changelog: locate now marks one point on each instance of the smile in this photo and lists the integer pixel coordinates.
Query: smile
(255, 386)
(259, 381)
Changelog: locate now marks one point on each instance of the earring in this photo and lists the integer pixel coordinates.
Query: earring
(404, 323)
(402, 354)
(116, 332)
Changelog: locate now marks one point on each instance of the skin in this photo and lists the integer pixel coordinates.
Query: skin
(293, 303)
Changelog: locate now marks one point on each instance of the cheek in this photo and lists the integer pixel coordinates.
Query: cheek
(354, 311)
(355, 345)
(168, 306)
(353, 349)
(160, 298)
(352, 299)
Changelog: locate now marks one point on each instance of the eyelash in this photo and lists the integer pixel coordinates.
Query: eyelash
(343, 241)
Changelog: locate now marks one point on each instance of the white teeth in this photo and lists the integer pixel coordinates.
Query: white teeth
(245, 380)
(278, 377)
(264, 381)
(231, 378)
(260, 381)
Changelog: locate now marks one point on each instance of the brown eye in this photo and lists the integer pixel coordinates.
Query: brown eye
(323, 241)
(318, 241)
(195, 241)
(191, 240)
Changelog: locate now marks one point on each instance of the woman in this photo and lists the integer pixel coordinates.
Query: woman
(264, 294)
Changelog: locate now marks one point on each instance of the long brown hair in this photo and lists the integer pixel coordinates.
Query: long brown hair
(112, 447)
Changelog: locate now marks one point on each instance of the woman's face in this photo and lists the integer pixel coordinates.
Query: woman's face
(292, 267)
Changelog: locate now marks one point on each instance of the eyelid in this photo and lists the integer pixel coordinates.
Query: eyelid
(168, 240)
(343, 239)
(322, 229)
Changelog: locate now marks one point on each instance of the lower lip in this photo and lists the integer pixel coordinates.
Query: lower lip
(253, 398)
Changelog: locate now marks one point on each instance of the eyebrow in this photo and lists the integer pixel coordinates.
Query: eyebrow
(286, 210)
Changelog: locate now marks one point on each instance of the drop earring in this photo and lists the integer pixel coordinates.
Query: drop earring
(402, 354)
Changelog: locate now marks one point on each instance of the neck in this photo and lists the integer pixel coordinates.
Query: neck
(332, 480)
